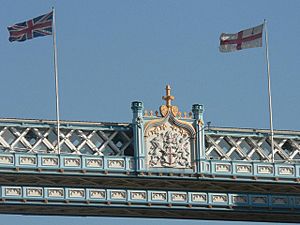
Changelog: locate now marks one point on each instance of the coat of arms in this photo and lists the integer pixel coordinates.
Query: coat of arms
(169, 147)
(169, 141)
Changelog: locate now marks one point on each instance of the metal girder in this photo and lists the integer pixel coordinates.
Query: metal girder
(208, 214)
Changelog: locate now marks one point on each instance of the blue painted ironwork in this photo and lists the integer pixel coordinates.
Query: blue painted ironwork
(186, 200)
(168, 161)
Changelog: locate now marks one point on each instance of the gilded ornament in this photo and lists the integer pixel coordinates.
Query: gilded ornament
(169, 141)
(164, 110)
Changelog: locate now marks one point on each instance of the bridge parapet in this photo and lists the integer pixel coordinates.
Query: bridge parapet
(252, 145)
(164, 163)
(166, 143)
(80, 138)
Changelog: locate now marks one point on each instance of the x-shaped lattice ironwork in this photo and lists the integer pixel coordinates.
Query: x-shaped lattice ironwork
(251, 148)
(72, 141)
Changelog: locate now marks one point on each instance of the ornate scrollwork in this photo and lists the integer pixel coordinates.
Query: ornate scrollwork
(169, 141)
(169, 147)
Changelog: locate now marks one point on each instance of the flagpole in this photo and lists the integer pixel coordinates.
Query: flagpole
(269, 92)
(56, 82)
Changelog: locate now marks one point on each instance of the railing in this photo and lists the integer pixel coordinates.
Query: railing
(246, 151)
(252, 145)
(80, 138)
(54, 163)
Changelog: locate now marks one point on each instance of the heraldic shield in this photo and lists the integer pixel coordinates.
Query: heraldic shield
(169, 141)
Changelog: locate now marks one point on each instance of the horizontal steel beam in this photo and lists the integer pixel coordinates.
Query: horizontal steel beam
(154, 203)
(85, 165)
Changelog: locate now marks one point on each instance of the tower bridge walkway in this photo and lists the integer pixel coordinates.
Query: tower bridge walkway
(163, 164)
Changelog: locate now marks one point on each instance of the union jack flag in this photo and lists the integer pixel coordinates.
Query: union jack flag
(36, 27)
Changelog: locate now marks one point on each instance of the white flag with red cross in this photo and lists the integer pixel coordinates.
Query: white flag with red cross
(249, 38)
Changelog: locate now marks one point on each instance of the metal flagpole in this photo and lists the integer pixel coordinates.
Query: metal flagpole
(56, 81)
(269, 91)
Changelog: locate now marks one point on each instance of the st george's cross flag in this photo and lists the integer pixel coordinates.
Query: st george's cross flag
(249, 38)
(36, 27)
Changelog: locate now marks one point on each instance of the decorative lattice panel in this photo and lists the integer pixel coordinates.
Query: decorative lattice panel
(252, 146)
(112, 141)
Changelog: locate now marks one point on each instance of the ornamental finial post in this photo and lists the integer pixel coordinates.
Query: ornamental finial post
(168, 98)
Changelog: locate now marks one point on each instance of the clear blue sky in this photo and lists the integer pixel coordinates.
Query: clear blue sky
(113, 52)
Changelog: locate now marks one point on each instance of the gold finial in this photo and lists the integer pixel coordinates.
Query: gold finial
(165, 109)
(168, 98)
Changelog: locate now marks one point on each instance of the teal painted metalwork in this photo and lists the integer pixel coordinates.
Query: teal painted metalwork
(138, 134)
(163, 161)
(186, 200)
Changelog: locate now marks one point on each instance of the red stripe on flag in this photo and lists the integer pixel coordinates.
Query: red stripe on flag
(31, 27)
(240, 40)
